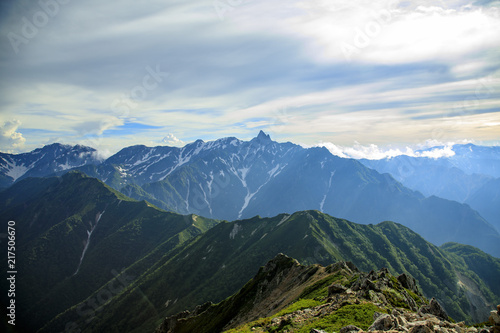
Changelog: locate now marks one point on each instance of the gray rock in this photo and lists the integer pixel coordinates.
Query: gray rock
(420, 329)
(434, 308)
(383, 323)
(336, 289)
(408, 282)
(349, 329)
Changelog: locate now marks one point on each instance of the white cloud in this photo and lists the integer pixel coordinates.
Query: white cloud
(437, 152)
(374, 152)
(10, 138)
(171, 140)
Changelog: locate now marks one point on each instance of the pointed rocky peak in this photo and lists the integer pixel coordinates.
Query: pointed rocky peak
(263, 137)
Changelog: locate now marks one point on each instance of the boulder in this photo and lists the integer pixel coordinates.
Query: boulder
(349, 329)
(495, 320)
(408, 282)
(421, 329)
(383, 323)
(434, 308)
(336, 289)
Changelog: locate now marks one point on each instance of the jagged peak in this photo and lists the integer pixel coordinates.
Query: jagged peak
(262, 137)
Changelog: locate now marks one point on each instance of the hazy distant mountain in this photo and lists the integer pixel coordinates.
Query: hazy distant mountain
(486, 200)
(474, 159)
(463, 177)
(430, 176)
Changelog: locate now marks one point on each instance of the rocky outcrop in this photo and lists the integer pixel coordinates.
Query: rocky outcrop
(435, 309)
(338, 288)
(406, 321)
(494, 320)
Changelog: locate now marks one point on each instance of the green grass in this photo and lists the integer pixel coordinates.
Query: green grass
(360, 315)
(299, 305)
(395, 298)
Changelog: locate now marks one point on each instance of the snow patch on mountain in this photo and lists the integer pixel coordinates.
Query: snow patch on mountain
(273, 170)
(187, 196)
(322, 203)
(87, 242)
(283, 220)
(15, 171)
(181, 160)
(205, 198)
(237, 228)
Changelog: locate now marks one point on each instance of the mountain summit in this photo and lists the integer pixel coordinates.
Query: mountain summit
(263, 137)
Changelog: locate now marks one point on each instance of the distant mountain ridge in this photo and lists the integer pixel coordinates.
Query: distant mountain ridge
(473, 159)
(233, 179)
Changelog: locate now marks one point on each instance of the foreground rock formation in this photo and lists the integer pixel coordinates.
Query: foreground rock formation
(285, 296)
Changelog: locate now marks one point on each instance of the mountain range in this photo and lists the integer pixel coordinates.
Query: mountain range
(96, 261)
(233, 179)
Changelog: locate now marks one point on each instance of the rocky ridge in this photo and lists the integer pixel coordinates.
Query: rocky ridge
(285, 296)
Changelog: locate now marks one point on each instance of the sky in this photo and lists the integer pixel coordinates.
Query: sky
(349, 74)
